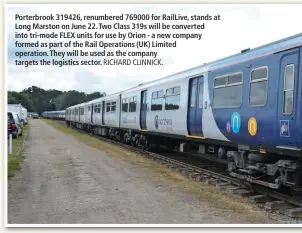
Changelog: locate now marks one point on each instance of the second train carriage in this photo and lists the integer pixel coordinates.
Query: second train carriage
(246, 108)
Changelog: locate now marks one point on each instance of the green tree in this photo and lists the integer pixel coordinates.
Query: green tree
(36, 99)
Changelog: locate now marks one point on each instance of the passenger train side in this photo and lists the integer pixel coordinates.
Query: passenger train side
(246, 109)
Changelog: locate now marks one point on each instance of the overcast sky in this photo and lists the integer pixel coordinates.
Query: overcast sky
(241, 26)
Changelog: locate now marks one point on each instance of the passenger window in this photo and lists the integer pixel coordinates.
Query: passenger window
(132, 104)
(157, 101)
(220, 81)
(193, 96)
(113, 106)
(125, 105)
(288, 91)
(200, 100)
(172, 98)
(233, 79)
(107, 107)
(227, 92)
(258, 87)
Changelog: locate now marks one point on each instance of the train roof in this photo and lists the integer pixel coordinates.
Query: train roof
(104, 97)
(248, 54)
(77, 105)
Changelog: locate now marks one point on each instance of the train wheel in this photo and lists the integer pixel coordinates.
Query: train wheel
(146, 145)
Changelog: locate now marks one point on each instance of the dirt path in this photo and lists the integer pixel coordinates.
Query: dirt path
(66, 181)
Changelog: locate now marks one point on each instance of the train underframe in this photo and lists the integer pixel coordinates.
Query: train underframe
(271, 170)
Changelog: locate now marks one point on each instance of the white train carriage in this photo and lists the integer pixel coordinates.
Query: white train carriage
(167, 107)
(93, 115)
(75, 113)
(159, 107)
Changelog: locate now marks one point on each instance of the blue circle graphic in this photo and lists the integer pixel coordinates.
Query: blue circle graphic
(235, 122)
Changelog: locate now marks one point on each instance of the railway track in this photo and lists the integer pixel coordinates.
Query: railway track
(208, 171)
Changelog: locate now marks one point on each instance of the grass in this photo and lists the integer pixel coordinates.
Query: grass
(14, 160)
(199, 191)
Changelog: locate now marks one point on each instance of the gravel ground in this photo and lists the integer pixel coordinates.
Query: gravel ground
(63, 180)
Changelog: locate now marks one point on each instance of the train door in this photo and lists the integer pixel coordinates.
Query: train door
(103, 113)
(287, 104)
(92, 110)
(195, 106)
(143, 109)
(119, 103)
(79, 112)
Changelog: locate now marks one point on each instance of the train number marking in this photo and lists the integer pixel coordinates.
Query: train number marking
(235, 122)
(284, 128)
(252, 126)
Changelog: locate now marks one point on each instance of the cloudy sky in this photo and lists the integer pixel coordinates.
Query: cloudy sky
(240, 27)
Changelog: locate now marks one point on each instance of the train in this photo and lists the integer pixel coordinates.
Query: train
(244, 109)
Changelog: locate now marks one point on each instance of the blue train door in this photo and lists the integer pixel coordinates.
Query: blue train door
(287, 99)
(195, 107)
(143, 114)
